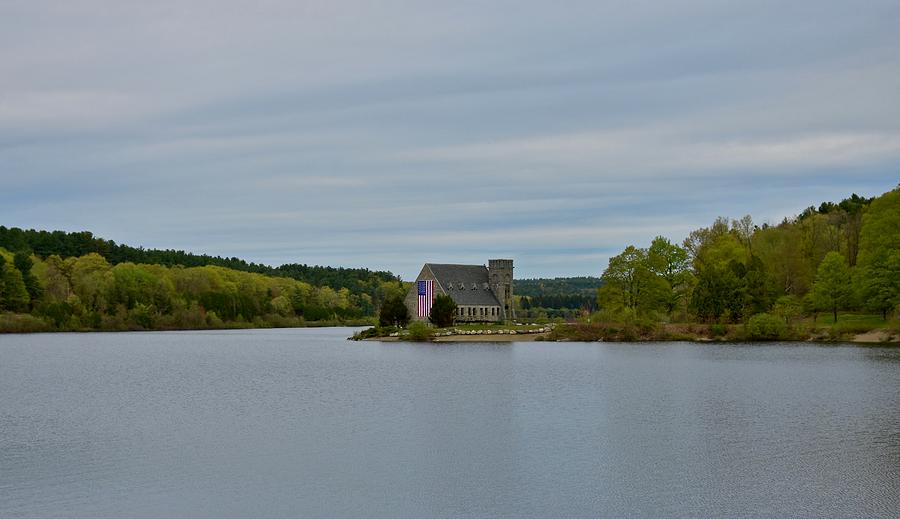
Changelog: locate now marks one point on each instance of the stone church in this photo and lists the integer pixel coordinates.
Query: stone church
(481, 293)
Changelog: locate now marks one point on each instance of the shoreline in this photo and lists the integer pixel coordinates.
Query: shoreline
(872, 338)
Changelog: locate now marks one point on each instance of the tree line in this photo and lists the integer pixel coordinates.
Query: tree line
(556, 297)
(90, 293)
(839, 256)
(43, 244)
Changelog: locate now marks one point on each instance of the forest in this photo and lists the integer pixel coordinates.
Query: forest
(89, 292)
(838, 257)
(564, 298)
(75, 244)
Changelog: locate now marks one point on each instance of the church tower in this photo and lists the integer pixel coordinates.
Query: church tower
(501, 276)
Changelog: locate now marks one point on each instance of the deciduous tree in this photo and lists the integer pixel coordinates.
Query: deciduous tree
(832, 287)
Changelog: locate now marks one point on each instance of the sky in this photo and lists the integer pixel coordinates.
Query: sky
(387, 134)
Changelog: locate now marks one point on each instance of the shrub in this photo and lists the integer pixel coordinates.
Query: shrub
(718, 330)
(23, 323)
(765, 327)
(419, 331)
(373, 332)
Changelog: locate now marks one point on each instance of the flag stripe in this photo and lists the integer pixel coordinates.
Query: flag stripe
(425, 290)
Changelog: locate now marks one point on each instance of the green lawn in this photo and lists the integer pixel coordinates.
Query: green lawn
(850, 320)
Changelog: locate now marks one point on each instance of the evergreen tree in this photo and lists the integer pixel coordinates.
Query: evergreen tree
(22, 261)
(393, 311)
(15, 295)
(443, 311)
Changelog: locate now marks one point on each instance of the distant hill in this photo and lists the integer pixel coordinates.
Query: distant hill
(557, 297)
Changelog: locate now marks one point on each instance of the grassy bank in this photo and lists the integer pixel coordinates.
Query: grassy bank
(848, 328)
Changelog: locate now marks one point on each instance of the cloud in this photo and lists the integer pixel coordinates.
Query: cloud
(383, 134)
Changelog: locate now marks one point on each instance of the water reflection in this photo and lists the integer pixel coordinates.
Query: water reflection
(281, 423)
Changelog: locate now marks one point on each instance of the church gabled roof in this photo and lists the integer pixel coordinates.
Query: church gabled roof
(466, 284)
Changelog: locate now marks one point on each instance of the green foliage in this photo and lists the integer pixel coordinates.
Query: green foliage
(766, 327)
(23, 263)
(719, 293)
(670, 263)
(87, 293)
(419, 331)
(443, 311)
(363, 285)
(879, 254)
(542, 287)
(565, 297)
(23, 323)
(375, 332)
(789, 308)
(14, 293)
(393, 311)
(629, 283)
(832, 288)
(718, 330)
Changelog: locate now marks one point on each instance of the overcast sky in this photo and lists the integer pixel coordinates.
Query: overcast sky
(387, 134)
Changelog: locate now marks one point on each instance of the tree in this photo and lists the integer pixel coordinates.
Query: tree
(393, 311)
(670, 263)
(879, 254)
(832, 287)
(719, 265)
(879, 284)
(15, 294)
(443, 311)
(22, 261)
(720, 291)
(744, 229)
(756, 294)
(629, 282)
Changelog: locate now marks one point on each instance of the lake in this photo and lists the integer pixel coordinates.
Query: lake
(303, 423)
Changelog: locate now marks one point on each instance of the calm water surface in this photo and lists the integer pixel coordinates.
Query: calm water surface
(302, 423)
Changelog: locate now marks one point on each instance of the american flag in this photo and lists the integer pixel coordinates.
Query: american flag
(426, 295)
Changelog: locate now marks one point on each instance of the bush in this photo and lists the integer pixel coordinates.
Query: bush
(718, 330)
(765, 327)
(419, 331)
(374, 332)
(23, 323)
